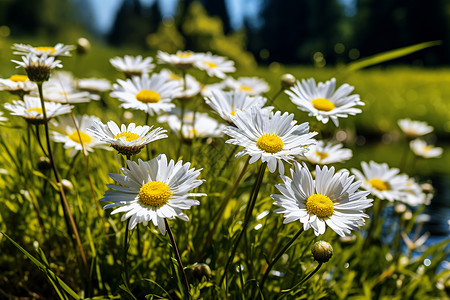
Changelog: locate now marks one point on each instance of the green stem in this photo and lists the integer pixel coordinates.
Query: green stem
(177, 255)
(275, 96)
(249, 210)
(125, 253)
(225, 202)
(66, 208)
(278, 256)
(304, 280)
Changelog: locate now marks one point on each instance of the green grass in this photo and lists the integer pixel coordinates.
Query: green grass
(47, 265)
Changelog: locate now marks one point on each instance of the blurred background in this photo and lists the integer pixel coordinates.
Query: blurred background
(318, 32)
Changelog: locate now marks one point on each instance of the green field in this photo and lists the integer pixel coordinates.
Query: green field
(361, 268)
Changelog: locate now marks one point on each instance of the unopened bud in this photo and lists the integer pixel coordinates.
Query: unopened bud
(44, 164)
(287, 80)
(67, 185)
(198, 271)
(83, 46)
(322, 251)
(400, 208)
(407, 216)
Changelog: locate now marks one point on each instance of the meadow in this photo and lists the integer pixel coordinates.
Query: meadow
(39, 259)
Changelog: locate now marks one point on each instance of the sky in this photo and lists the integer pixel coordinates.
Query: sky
(105, 11)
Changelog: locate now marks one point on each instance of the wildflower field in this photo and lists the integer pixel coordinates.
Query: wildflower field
(131, 175)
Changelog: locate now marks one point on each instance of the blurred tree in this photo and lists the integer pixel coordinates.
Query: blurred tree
(133, 23)
(167, 38)
(294, 30)
(205, 33)
(383, 25)
(44, 18)
(218, 8)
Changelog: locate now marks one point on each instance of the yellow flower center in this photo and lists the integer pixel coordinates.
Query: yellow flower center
(45, 49)
(184, 54)
(233, 113)
(17, 78)
(37, 109)
(320, 205)
(85, 138)
(270, 142)
(428, 148)
(210, 64)
(379, 184)
(148, 96)
(322, 155)
(130, 136)
(323, 104)
(155, 193)
(245, 88)
(193, 132)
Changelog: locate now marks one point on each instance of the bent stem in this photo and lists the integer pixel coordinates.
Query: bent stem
(303, 280)
(248, 214)
(177, 255)
(278, 256)
(66, 209)
(225, 202)
(275, 96)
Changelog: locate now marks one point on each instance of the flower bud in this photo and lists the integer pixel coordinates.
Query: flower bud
(322, 251)
(83, 46)
(44, 164)
(400, 208)
(287, 80)
(201, 270)
(67, 185)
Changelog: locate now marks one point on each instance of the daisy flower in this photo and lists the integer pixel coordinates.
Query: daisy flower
(127, 140)
(182, 59)
(31, 109)
(271, 137)
(72, 140)
(151, 95)
(381, 181)
(226, 104)
(94, 85)
(327, 153)
(133, 66)
(413, 194)
(209, 88)
(201, 125)
(331, 199)
(152, 191)
(17, 84)
(250, 85)
(57, 50)
(61, 88)
(190, 90)
(323, 102)
(38, 68)
(422, 149)
(215, 66)
(413, 129)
